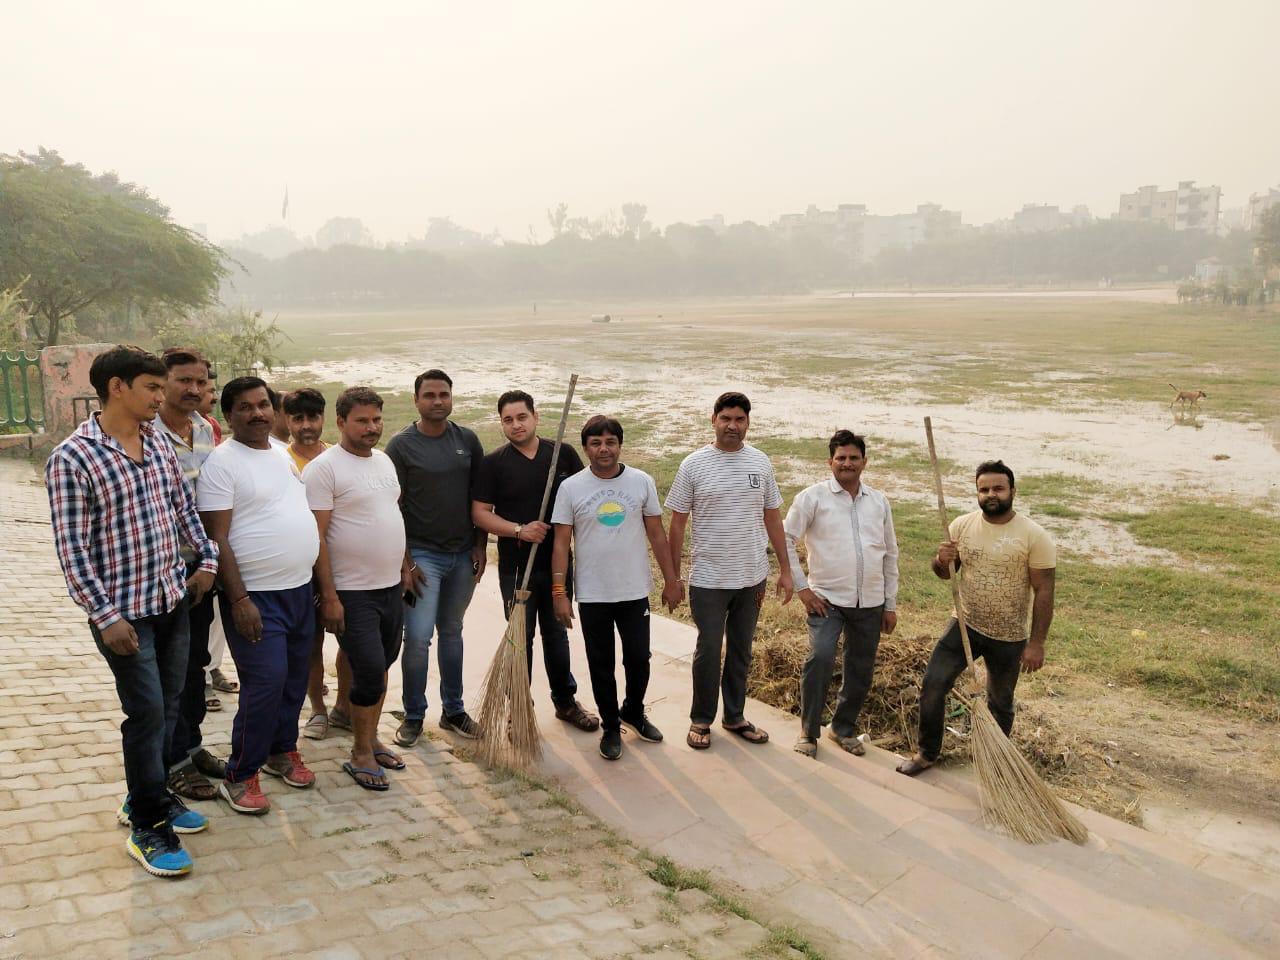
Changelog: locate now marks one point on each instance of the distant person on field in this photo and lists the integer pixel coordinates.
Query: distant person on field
(728, 490)
(612, 515)
(121, 512)
(255, 507)
(437, 462)
(505, 502)
(191, 766)
(304, 412)
(1006, 565)
(361, 571)
(851, 589)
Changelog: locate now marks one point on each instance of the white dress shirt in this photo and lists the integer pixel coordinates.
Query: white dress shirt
(853, 552)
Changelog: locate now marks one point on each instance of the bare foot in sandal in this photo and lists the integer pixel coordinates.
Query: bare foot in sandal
(916, 764)
(748, 731)
(699, 736)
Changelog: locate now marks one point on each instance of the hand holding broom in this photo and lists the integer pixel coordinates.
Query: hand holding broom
(1012, 796)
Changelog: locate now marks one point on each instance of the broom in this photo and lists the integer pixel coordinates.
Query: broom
(508, 724)
(1012, 796)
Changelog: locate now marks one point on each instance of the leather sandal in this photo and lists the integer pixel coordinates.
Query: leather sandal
(699, 737)
(914, 765)
(748, 731)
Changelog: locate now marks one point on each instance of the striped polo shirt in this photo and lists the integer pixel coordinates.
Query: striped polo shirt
(726, 495)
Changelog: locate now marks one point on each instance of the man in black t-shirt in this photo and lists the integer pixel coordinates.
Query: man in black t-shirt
(505, 501)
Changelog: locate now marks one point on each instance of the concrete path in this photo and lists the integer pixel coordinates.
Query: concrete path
(457, 860)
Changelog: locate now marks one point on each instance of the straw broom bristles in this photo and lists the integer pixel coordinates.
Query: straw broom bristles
(1011, 794)
(508, 723)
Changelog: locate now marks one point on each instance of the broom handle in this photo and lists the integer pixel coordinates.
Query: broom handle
(946, 533)
(551, 475)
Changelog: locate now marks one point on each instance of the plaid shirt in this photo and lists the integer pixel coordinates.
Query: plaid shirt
(118, 525)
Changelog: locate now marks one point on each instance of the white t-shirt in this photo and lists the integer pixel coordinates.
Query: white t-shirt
(366, 531)
(273, 532)
(607, 517)
(726, 495)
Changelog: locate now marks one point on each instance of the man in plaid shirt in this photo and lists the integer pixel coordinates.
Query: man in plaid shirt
(121, 512)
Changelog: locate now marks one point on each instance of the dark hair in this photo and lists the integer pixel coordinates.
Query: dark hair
(233, 388)
(127, 363)
(432, 374)
(732, 399)
(599, 425)
(307, 402)
(994, 466)
(846, 438)
(353, 397)
(277, 399)
(515, 396)
(181, 356)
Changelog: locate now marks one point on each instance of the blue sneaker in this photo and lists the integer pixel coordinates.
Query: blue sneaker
(159, 851)
(181, 817)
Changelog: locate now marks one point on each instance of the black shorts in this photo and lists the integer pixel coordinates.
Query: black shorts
(371, 638)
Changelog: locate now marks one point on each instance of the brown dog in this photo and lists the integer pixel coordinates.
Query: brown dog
(1187, 397)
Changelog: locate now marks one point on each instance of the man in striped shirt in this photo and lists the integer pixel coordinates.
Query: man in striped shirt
(852, 588)
(121, 511)
(729, 490)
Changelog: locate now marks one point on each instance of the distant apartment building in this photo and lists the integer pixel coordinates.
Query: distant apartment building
(1258, 204)
(862, 235)
(1046, 217)
(1186, 207)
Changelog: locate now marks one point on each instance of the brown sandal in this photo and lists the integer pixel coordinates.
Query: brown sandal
(913, 766)
(699, 737)
(748, 731)
(190, 783)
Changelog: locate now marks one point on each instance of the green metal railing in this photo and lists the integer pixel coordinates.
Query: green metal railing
(21, 392)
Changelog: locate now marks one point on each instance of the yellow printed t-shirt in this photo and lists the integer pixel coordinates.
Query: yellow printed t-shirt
(300, 462)
(996, 560)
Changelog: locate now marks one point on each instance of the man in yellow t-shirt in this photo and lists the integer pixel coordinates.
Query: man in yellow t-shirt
(1007, 563)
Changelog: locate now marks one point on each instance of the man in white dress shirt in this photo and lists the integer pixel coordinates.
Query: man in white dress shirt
(851, 588)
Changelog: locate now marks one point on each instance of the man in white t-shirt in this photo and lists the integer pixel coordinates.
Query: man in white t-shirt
(609, 512)
(255, 508)
(729, 490)
(361, 573)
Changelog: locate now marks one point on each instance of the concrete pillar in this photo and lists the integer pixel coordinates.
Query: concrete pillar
(66, 377)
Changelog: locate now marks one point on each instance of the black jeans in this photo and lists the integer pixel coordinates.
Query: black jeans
(540, 611)
(374, 621)
(631, 617)
(725, 619)
(861, 629)
(191, 705)
(149, 683)
(1004, 662)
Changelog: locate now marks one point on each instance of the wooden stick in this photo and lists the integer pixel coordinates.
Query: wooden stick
(551, 475)
(946, 533)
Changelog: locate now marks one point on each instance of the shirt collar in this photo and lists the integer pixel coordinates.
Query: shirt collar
(92, 431)
(834, 486)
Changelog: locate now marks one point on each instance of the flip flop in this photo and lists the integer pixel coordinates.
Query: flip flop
(388, 759)
(354, 772)
(748, 732)
(317, 728)
(699, 737)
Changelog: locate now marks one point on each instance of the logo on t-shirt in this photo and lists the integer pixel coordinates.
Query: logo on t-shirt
(611, 513)
(754, 480)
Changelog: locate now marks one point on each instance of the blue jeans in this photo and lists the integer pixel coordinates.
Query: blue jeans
(149, 684)
(439, 610)
(861, 629)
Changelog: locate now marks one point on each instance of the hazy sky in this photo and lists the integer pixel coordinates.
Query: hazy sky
(492, 112)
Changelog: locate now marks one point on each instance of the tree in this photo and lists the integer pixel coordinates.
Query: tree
(343, 231)
(82, 241)
(14, 333)
(558, 218)
(1267, 248)
(235, 338)
(633, 218)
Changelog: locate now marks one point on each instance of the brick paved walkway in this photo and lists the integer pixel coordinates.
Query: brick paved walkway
(452, 862)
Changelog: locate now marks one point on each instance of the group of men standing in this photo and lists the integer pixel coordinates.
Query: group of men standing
(155, 521)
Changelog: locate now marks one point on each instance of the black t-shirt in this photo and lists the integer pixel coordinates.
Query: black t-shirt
(436, 476)
(514, 484)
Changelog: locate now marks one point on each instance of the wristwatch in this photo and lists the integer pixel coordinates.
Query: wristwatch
(519, 527)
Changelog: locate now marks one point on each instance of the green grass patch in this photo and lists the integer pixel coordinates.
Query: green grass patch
(1247, 541)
